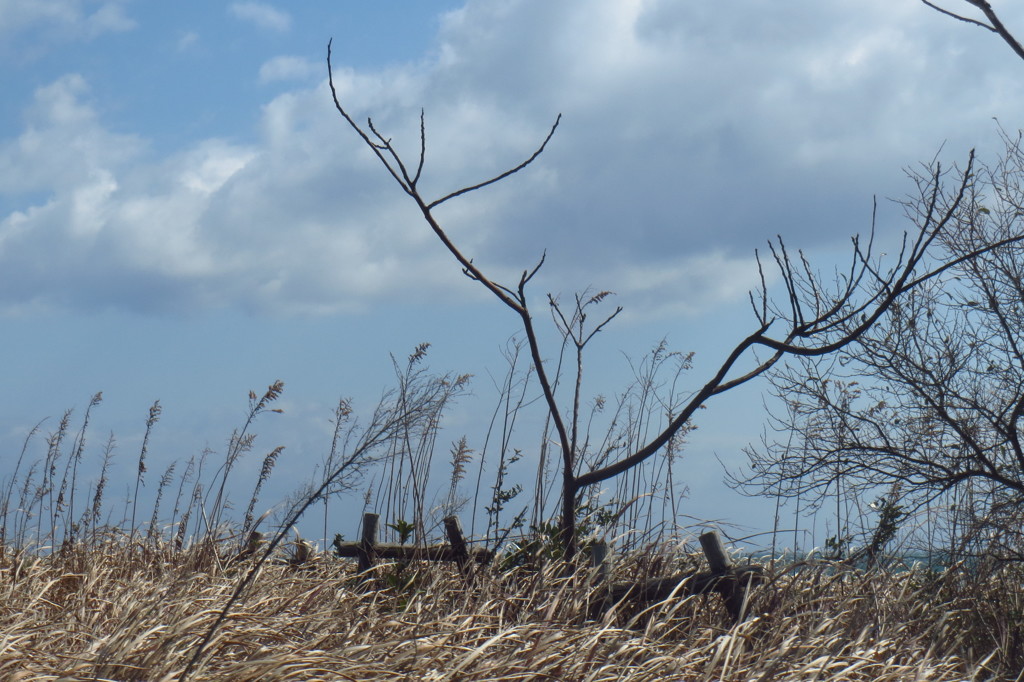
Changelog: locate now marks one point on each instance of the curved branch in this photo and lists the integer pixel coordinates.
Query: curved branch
(959, 17)
(504, 175)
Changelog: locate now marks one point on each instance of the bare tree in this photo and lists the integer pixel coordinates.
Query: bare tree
(931, 398)
(815, 316)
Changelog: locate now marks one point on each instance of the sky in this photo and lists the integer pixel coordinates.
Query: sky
(185, 217)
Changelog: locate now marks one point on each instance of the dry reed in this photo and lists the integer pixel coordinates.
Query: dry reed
(121, 610)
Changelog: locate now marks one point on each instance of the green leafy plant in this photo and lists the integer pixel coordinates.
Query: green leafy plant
(405, 530)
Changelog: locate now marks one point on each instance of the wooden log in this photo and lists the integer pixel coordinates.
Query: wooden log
(367, 546)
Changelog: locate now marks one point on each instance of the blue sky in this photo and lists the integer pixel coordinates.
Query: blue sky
(184, 216)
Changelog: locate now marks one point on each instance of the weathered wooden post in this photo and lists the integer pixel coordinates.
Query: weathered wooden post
(453, 529)
(728, 585)
(715, 552)
(600, 587)
(368, 541)
(598, 554)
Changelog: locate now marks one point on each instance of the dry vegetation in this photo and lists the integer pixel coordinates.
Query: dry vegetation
(82, 600)
(105, 612)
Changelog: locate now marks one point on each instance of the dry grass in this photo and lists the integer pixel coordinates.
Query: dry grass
(104, 613)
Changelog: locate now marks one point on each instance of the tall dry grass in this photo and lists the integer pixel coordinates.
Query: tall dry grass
(120, 609)
(84, 599)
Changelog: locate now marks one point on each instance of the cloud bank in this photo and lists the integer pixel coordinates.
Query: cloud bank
(691, 133)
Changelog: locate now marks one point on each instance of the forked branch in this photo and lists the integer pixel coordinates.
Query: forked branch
(512, 298)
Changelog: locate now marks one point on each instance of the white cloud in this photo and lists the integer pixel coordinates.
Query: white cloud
(63, 144)
(110, 17)
(67, 17)
(270, 228)
(112, 226)
(690, 135)
(262, 15)
(689, 129)
(188, 40)
(286, 68)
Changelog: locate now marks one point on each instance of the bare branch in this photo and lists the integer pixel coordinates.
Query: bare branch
(959, 17)
(598, 328)
(423, 147)
(355, 126)
(504, 175)
(527, 276)
(995, 25)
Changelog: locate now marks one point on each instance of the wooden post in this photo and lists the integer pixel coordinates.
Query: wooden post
(732, 592)
(715, 552)
(369, 539)
(598, 554)
(453, 529)
(600, 587)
